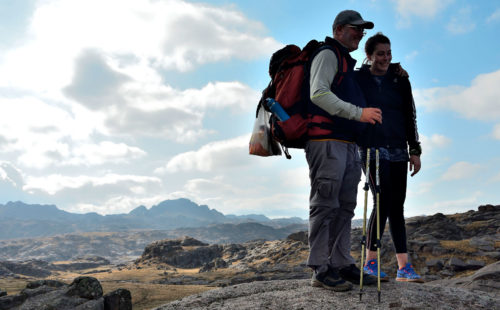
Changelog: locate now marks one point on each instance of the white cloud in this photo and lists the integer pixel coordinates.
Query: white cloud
(156, 110)
(211, 157)
(479, 101)
(496, 132)
(460, 170)
(55, 183)
(296, 178)
(104, 152)
(494, 17)
(420, 8)
(461, 23)
(458, 205)
(10, 174)
(171, 34)
(433, 142)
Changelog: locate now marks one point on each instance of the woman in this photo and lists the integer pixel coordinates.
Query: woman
(385, 89)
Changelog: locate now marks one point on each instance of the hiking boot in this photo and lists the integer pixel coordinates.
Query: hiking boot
(408, 274)
(371, 269)
(351, 273)
(330, 280)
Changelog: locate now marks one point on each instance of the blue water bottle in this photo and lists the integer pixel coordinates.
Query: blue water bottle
(277, 110)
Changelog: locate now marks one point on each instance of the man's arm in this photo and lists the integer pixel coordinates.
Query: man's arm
(323, 69)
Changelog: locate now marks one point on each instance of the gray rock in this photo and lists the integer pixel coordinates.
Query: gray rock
(49, 283)
(456, 264)
(485, 279)
(475, 264)
(85, 287)
(120, 299)
(188, 241)
(11, 301)
(435, 264)
(301, 236)
(298, 294)
(494, 255)
(83, 293)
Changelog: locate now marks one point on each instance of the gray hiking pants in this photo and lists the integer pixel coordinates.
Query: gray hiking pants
(335, 172)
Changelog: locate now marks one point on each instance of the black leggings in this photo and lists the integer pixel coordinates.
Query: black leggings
(392, 197)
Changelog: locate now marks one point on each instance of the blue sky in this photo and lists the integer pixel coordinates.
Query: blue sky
(108, 105)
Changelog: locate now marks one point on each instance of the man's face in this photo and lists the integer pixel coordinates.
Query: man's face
(349, 36)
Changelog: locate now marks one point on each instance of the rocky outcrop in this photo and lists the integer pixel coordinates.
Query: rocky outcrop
(443, 246)
(180, 253)
(261, 260)
(485, 279)
(31, 268)
(298, 294)
(82, 293)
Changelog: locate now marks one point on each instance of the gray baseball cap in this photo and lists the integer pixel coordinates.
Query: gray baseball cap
(353, 18)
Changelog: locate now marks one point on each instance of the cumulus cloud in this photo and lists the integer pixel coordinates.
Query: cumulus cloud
(479, 101)
(171, 34)
(94, 83)
(11, 174)
(213, 156)
(460, 170)
(433, 142)
(55, 183)
(205, 34)
(103, 152)
(406, 9)
(174, 114)
(462, 22)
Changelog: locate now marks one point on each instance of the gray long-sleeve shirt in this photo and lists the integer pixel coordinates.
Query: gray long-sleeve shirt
(323, 69)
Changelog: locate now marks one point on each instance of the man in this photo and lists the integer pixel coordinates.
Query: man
(334, 165)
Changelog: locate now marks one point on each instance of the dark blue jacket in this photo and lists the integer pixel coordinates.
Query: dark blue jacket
(394, 97)
(325, 126)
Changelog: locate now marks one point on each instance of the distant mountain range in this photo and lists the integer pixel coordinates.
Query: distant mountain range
(21, 220)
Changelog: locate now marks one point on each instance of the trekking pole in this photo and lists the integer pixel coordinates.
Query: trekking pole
(377, 186)
(363, 238)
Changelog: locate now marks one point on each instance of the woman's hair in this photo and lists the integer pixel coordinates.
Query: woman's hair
(372, 42)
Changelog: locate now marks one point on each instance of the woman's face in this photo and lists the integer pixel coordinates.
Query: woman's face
(380, 59)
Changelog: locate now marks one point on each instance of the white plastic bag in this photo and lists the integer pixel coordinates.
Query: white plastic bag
(261, 142)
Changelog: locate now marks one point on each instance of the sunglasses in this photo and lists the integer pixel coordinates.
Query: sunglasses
(357, 28)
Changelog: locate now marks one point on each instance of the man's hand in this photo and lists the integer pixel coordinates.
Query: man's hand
(401, 72)
(371, 115)
(415, 164)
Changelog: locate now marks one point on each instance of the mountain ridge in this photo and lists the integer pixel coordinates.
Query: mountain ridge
(22, 220)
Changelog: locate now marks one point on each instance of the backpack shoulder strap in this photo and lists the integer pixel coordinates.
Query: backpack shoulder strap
(341, 62)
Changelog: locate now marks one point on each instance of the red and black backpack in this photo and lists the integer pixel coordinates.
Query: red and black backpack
(289, 69)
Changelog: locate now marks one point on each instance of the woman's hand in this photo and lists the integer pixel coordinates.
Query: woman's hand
(415, 164)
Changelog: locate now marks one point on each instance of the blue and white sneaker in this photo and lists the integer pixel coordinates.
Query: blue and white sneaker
(371, 269)
(408, 274)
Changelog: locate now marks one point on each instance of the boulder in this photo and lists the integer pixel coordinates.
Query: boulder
(301, 236)
(85, 287)
(456, 264)
(82, 293)
(120, 299)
